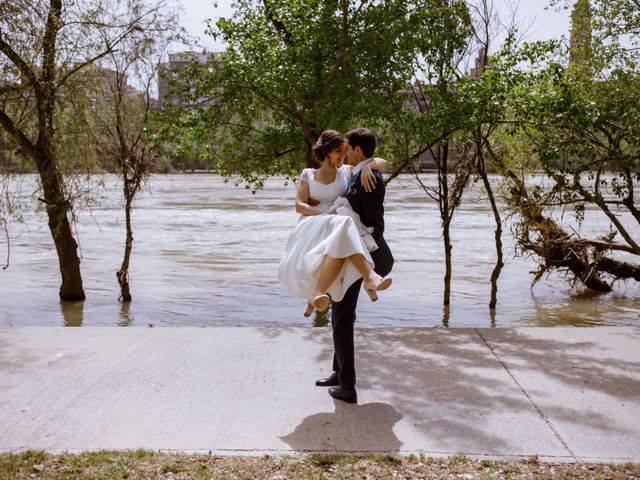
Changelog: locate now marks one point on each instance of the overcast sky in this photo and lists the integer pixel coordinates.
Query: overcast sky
(538, 21)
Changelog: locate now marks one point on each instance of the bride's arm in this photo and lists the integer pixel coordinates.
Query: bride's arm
(379, 164)
(302, 200)
(367, 178)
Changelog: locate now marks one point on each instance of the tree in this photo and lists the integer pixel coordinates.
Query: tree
(122, 112)
(488, 95)
(618, 18)
(433, 121)
(44, 45)
(583, 127)
(291, 70)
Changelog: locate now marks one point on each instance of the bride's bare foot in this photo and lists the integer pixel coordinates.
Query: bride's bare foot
(376, 283)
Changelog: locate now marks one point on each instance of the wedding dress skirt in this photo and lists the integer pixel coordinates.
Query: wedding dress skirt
(312, 239)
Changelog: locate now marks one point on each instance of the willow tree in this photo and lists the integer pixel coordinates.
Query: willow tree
(44, 45)
(290, 70)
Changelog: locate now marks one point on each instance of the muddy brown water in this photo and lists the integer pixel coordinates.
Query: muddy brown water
(206, 254)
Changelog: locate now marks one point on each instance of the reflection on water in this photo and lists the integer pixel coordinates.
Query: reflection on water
(72, 312)
(206, 254)
(126, 315)
(321, 319)
(446, 313)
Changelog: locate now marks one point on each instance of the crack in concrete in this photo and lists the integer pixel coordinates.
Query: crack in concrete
(526, 394)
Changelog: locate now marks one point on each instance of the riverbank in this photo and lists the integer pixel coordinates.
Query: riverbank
(561, 394)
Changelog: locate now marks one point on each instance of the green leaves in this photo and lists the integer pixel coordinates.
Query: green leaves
(292, 69)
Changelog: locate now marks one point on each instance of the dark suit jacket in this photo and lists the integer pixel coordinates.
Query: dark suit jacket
(370, 207)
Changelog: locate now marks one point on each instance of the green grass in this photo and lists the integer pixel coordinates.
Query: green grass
(144, 464)
(327, 460)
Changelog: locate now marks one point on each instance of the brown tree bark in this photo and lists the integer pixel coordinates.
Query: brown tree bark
(58, 208)
(554, 245)
(43, 155)
(123, 273)
(497, 268)
(446, 216)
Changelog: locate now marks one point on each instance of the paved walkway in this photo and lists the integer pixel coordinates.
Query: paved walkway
(564, 394)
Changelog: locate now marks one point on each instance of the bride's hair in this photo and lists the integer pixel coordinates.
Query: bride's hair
(329, 140)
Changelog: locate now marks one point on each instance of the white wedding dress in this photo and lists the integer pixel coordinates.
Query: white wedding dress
(319, 235)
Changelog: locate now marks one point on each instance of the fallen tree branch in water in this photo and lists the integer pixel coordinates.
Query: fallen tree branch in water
(560, 250)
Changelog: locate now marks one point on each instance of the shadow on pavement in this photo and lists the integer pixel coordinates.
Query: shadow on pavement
(356, 428)
(451, 389)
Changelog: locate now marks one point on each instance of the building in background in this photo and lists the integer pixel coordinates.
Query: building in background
(177, 62)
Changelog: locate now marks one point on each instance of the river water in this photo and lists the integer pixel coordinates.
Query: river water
(206, 254)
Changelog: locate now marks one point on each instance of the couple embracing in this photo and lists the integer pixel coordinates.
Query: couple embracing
(338, 243)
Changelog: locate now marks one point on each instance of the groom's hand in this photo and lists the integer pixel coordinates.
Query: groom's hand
(313, 202)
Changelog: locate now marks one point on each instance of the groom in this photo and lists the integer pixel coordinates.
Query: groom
(361, 144)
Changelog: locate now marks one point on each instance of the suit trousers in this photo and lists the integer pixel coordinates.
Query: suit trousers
(343, 317)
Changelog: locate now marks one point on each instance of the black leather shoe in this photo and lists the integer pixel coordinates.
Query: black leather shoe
(330, 381)
(348, 395)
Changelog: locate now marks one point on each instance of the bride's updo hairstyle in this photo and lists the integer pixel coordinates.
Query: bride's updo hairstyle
(329, 141)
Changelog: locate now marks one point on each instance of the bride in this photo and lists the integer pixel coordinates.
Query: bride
(326, 253)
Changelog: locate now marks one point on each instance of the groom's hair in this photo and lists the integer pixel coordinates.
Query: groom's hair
(363, 138)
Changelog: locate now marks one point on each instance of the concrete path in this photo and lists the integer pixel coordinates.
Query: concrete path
(564, 394)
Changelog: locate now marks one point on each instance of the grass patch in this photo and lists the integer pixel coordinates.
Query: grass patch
(387, 459)
(532, 460)
(412, 458)
(458, 459)
(174, 468)
(143, 464)
(487, 464)
(325, 460)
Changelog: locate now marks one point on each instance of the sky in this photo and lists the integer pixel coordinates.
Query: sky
(537, 22)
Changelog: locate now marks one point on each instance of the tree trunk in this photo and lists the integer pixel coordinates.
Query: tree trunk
(58, 207)
(311, 161)
(497, 269)
(311, 138)
(555, 245)
(123, 273)
(619, 269)
(447, 261)
(447, 215)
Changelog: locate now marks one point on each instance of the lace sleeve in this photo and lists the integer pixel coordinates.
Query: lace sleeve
(304, 176)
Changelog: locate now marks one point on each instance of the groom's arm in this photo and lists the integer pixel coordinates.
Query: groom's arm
(372, 204)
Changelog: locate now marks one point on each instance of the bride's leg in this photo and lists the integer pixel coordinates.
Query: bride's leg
(364, 267)
(331, 267)
(329, 271)
(372, 281)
